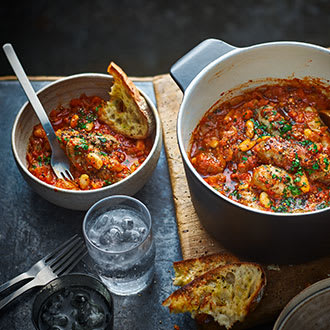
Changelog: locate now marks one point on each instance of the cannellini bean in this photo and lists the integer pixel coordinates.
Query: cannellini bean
(74, 121)
(308, 133)
(243, 186)
(84, 181)
(247, 145)
(228, 116)
(89, 126)
(263, 138)
(213, 143)
(249, 129)
(264, 199)
(95, 160)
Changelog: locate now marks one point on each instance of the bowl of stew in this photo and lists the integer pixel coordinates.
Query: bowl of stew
(72, 104)
(254, 146)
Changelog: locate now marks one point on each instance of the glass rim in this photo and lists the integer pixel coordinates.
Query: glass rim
(90, 210)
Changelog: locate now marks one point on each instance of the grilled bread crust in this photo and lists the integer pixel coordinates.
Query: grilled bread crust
(187, 270)
(127, 112)
(227, 293)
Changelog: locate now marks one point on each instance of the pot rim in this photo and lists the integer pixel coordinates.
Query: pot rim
(190, 89)
(84, 192)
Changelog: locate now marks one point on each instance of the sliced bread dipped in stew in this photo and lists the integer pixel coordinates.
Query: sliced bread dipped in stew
(127, 112)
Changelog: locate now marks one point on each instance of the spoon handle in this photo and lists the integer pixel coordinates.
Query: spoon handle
(29, 91)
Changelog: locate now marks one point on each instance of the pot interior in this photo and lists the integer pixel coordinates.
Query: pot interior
(247, 68)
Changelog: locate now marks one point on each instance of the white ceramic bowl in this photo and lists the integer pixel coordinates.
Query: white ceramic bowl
(61, 92)
(310, 309)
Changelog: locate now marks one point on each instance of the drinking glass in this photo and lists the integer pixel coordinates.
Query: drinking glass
(118, 235)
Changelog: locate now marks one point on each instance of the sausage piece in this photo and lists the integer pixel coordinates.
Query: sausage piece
(293, 157)
(274, 181)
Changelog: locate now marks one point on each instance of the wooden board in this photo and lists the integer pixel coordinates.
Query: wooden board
(284, 282)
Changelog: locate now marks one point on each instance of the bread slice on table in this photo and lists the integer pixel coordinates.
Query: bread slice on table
(187, 270)
(127, 112)
(227, 293)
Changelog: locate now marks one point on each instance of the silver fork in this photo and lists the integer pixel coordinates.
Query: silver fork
(59, 161)
(49, 259)
(59, 264)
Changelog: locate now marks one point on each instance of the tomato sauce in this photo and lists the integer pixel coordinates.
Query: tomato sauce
(267, 148)
(99, 156)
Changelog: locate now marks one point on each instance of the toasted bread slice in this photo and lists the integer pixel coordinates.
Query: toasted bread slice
(188, 270)
(127, 112)
(227, 293)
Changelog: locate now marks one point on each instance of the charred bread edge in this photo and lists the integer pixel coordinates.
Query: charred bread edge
(255, 299)
(139, 100)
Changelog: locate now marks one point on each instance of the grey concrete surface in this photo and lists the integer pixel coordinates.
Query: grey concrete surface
(146, 37)
(31, 228)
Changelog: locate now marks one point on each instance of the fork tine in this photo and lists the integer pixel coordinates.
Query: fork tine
(66, 251)
(58, 249)
(67, 175)
(71, 262)
(59, 262)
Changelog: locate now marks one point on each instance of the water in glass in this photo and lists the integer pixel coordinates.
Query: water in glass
(122, 248)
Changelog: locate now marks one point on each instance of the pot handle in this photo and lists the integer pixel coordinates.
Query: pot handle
(188, 66)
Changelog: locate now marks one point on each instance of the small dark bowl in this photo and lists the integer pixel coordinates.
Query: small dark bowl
(72, 281)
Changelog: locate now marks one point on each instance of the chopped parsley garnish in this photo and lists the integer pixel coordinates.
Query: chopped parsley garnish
(305, 142)
(286, 128)
(258, 126)
(107, 183)
(236, 194)
(46, 160)
(322, 205)
(81, 125)
(295, 165)
(316, 166)
(313, 148)
(295, 191)
(83, 145)
(90, 118)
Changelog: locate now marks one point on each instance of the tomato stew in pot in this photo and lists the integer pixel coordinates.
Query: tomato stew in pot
(268, 147)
